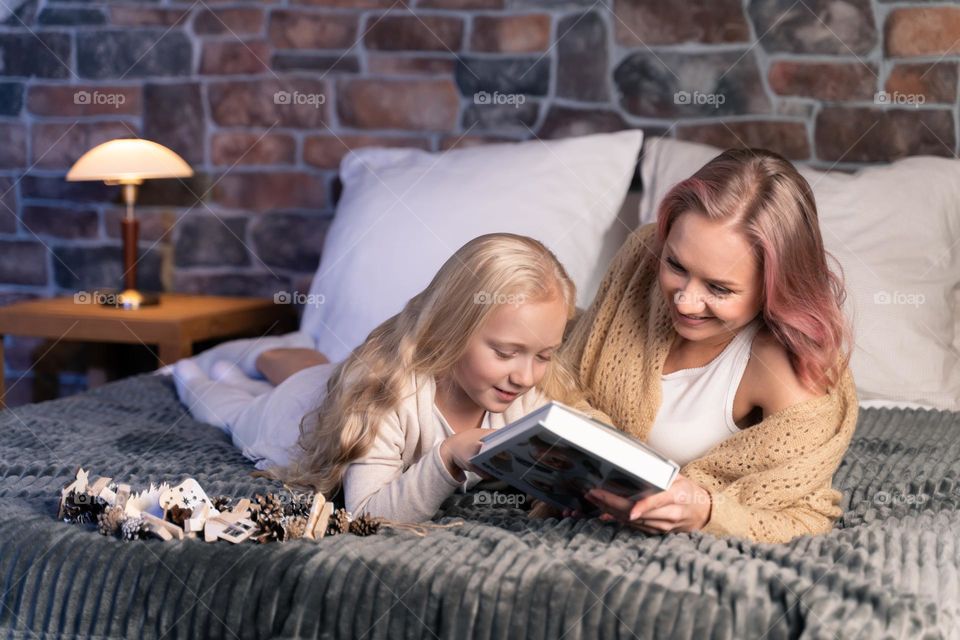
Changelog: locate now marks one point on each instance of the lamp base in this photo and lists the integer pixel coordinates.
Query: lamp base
(129, 299)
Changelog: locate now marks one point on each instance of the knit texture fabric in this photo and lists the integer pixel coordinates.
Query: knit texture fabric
(770, 482)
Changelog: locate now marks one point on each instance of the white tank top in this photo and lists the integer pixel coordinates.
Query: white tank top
(697, 408)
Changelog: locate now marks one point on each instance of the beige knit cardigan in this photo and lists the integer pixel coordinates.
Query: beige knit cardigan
(770, 482)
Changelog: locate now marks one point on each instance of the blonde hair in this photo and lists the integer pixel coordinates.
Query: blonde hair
(427, 337)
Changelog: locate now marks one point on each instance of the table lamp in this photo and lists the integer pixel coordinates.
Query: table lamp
(128, 162)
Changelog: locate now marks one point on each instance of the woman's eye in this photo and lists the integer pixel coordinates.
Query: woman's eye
(720, 290)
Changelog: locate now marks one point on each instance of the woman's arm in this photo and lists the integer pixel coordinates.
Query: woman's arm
(277, 365)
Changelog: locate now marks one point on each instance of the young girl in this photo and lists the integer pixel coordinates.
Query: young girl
(718, 337)
(399, 419)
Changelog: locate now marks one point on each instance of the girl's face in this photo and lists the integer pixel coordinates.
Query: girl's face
(710, 278)
(511, 352)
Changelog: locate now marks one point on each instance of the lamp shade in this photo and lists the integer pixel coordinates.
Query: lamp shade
(129, 160)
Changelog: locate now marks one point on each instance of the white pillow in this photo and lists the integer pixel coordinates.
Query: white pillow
(895, 229)
(403, 212)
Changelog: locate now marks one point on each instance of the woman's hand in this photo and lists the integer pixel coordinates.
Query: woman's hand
(685, 506)
(457, 450)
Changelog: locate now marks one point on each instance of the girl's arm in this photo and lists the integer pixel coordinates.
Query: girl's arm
(377, 484)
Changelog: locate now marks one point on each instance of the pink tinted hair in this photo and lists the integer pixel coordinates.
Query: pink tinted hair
(772, 205)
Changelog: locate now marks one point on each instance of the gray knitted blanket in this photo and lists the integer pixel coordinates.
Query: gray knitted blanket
(889, 569)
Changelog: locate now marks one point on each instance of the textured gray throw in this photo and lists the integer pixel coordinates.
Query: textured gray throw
(889, 569)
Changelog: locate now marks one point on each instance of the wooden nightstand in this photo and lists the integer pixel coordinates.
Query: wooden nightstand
(173, 326)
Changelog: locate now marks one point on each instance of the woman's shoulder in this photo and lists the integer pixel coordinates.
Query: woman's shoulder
(774, 384)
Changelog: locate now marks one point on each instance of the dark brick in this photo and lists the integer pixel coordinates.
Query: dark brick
(56, 188)
(294, 29)
(137, 16)
(23, 262)
(530, 76)
(936, 81)
(11, 98)
(230, 148)
(503, 118)
(176, 192)
(229, 57)
(326, 151)
(272, 240)
(528, 33)
(60, 222)
(393, 65)
(231, 284)
(70, 16)
(58, 145)
(236, 21)
(173, 116)
(133, 53)
(863, 134)
(256, 103)
(466, 141)
(83, 100)
(582, 58)
(414, 33)
(25, 15)
(826, 81)
(349, 4)
(368, 103)
(8, 206)
(789, 139)
(88, 268)
(815, 26)
(266, 191)
(317, 62)
(13, 154)
(39, 54)
(564, 122)
(208, 240)
(649, 22)
(460, 4)
(716, 83)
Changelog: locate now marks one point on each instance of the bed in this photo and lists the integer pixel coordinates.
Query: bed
(891, 567)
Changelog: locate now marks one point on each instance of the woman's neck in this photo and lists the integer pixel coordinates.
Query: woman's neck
(460, 411)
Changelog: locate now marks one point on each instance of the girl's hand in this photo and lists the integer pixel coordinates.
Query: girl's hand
(685, 506)
(457, 450)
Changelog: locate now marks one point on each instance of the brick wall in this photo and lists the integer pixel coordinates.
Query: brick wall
(264, 98)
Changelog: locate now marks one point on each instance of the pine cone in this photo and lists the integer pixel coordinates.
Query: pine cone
(82, 507)
(339, 522)
(296, 527)
(299, 505)
(177, 515)
(221, 503)
(268, 514)
(134, 529)
(108, 522)
(365, 525)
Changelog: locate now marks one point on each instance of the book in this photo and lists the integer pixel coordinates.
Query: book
(557, 454)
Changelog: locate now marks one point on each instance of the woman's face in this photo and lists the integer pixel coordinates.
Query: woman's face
(710, 278)
(511, 352)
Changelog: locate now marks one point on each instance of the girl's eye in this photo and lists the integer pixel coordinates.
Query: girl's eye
(502, 355)
(673, 265)
(543, 358)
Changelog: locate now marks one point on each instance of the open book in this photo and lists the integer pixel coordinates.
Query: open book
(557, 454)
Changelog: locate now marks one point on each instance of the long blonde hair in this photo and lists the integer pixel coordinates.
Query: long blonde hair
(427, 337)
